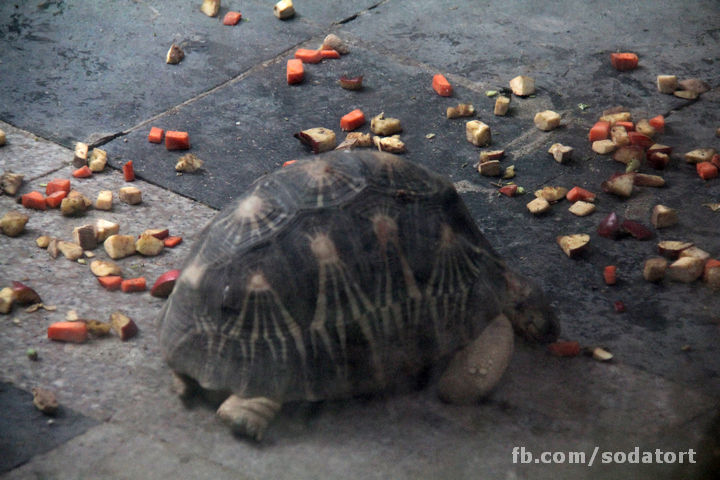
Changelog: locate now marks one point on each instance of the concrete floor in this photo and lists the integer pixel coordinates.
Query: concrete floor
(71, 72)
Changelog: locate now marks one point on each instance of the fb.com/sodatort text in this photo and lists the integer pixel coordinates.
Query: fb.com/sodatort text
(522, 455)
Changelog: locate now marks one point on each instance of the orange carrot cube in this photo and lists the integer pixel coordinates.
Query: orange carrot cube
(177, 140)
(295, 71)
(34, 200)
(56, 185)
(156, 135)
(308, 56)
(624, 61)
(600, 131)
(352, 120)
(442, 86)
(232, 18)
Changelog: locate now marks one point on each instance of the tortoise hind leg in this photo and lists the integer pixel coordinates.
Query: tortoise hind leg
(248, 416)
(477, 368)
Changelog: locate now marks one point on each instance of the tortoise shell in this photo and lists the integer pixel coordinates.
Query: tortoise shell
(338, 275)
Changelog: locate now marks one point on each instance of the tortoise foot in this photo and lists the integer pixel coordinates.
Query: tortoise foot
(248, 416)
(476, 369)
(185, 387)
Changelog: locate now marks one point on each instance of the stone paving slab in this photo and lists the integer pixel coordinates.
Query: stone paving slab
(93, 70)
(109, 451)
(563, 45)
(26, 432)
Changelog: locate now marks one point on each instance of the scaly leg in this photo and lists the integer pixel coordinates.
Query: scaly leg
(248, 416)
(477, 368)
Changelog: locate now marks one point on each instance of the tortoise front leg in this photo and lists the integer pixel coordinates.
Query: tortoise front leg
(248, 416)
(477, 368)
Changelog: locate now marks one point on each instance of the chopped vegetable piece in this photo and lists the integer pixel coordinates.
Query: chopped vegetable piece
(232, 18)
(658, 123)
(706, 170)
(111, 282)
(83, 172)
(624, 61)
(68, 332)
(174, 55)
(351, 83)
(295, 71)
(210, 7)
(34, 200)
(619, 306)
(128, 171)
(133, 285)
(56, 185)
(636, 229)
(123, 325)
(600, 131)
(442, 86)
(715, 160)
(564, 349)
(522, 85)
(177, 140)
(284, 9)
(610, 274)
(629, 126)
(578, 193)
(547, 120)
(55, 199)
(640, 139)
(509, 190)
(667, 83)
(156, 135)
(329, 54)
(352, 120)
(165, 283)
(308, 56)
(609, 227)
(286, 164)
(171, 242)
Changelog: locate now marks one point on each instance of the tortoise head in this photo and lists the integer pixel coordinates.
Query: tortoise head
(529, 311)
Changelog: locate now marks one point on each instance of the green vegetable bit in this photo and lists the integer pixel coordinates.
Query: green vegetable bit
(32, 354)
(491, 93)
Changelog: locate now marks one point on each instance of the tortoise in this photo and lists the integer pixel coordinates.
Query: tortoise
(344, 274)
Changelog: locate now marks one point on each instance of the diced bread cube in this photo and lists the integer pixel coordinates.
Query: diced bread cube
(284, 9)
(581, 208)
(663, 216)
(502, 105)
(478, 133)
(547, 120)
(685, 269)
(130, 195)
(538, 206)
(667, 83)
(210, 7)
(603, 147)
(654, 269)
(522, 85)
(104, 200)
